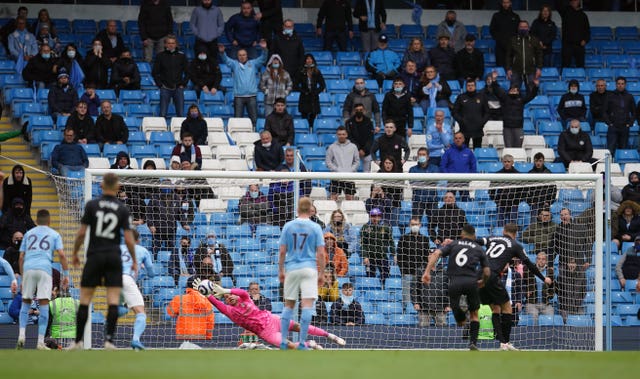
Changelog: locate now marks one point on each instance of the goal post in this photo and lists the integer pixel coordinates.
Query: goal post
(390, 317)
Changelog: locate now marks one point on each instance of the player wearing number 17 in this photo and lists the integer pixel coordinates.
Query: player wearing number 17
(464, 257)
(106, 218)
(36, 253)
(300, 267)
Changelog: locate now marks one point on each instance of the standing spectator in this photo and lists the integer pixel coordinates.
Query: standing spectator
(439, 137)
(289, 165)
(280, 124)
(619, 115)
(446, 221)
(270, 17)
(263, 303)
(391, 145)
(574, 145)
(21, 42)
(507, 199)
(207, 24)
(397, 107)
(372, 17)
(628, 220)
(442, 56)
(39, 71)
(597, 101)
(275, 83)
(538, 294)
(82, 124)
(205, 74)
(469, 61)
(342, 231)
(382, 62)
(91, 98)
(524, 57)
(112, 42)
(288, 45)
(338, 25)
(572, 242)
(361, 95)
(360, 132)
(512, 107)
(342, 156)
(540, 233)
(376, 242)
(242, 30)
(254, 207)
(245, 80)
(16, 219)
(432, 301)
(628, 266)
(193, 312)
(632, 190)
(96, 66)
(571, 289)
(411, 256)
(212, 252)
(458, 158)
(170, 74)
(155, 22)
(546, 31)
(310, 83)
(268, 154)
(17, 185)
(504, 25)
(62, 97)
(411, 78)
(125, 73)
(489, 92)
(195, 125)
(335, 256)
(572, 104)
(188, 153)
(346, 310)
(110, 127)
(435, 92)
(11, 25)
(417, 53)
(424, 199)
(394, 189)
(454, 29)
(68, 155)
(576, 33)
(471, 111)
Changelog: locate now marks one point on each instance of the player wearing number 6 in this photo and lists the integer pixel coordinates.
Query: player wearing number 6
(300, 267)
(36, 254)
(464, 257)
(107, 219)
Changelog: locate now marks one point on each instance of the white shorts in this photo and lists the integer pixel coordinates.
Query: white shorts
(303, 281)
(131, 292)
(36, 280)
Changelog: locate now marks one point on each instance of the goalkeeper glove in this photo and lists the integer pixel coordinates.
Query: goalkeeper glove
(219, 291)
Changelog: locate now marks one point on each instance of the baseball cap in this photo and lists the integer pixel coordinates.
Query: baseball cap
(375, 212)
(383, 38)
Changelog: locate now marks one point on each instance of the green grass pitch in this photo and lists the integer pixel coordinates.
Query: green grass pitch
(351, 364)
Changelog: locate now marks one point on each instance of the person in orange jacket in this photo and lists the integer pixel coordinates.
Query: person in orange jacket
(335, 255)
(195, 319)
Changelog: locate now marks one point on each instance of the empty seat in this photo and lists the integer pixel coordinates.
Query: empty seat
(627, 156)
(239, 125)
(154, 124)
(519, 154)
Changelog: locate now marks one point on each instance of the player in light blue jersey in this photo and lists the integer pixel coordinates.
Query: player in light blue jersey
(36, 255)
(301, 265)
(130, 291)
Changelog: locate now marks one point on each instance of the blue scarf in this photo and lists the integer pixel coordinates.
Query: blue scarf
(371, 11)
(433, 91)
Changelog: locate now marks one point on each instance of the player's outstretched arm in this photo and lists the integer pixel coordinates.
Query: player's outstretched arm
(281, 257)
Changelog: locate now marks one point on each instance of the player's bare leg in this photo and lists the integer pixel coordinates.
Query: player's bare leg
(315, 331)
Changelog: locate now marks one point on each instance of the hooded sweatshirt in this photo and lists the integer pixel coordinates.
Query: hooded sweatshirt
(572, 106)
(275, 83)
(338, 258)
(12, 188)
(342, 157)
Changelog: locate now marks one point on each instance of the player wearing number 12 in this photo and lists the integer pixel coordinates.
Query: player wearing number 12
(107, 219)
(36, 254)
(300, 267)
(464, 257)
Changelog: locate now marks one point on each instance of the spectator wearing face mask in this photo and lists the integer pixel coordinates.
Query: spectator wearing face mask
(572, 104)
(346, 310)
(397, 106)
(125, 73)
(214, 258)
(628, 266)
(15, 220)
(574, 145)
(205, 74)
(524, 57)
(195, 125)
(288, 45)
(254, 207)
(12, 253)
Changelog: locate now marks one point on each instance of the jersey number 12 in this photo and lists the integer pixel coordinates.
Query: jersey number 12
(106, 225)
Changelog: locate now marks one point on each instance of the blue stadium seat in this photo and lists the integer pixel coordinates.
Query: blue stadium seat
(132, 97)
(398, 45)
(579, 320)
(617, 61)
(550, 128)
(325, 125)
(323, 58)
(256, 257)
(403, 320)
(164, 295)
(217, 110)
(525, 320)
(83, 26)
(632, 74)
(486, 154)
(111, 150)
(389, 307)
(147, 83)
(338, 86)
(367, 283)
(160, 138)
(133, 123)
(139, 110)
(162, 282)
(411, 30)
(485, 46)
(602, 33)
(313, 152)
(354, 72)
(545, 320)
(348, 58)
(102, 24)
(136, 138)
(375, 319)
(305, 30)
(621, 297)
(331, 72)
(318, 165)
(622, 33)
(627, 156)
(143, 151)
(306, 139)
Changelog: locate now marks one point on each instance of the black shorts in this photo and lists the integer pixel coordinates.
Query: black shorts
(337, 186)
(102, 269)
(494, 292)
(464, 286)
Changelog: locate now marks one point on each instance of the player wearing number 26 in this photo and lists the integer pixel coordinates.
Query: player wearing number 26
(36, 254)
(301, 266)
(107, 219)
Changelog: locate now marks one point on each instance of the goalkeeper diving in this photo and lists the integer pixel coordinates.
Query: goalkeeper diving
(236, 304)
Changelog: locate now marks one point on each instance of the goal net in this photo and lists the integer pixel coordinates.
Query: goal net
(226, 225)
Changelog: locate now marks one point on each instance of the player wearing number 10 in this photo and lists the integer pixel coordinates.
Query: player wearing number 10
(106, 218)
(465, 256)
(302, 259)
(36, 253)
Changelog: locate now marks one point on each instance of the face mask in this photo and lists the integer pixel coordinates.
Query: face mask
(398, 89)
(310, 65)
(422, 159)
(359, 114)
(415, 229)
(266, 145)
(194, 114)
(254, 194)
(202, 57)
(514, 95)
(185, 206)
(211, 241)
(17, 243)
(288, 32)
(338, 223)
(275, 65)
(574, 130)
(573, 91)
(46, 56)
(347, 300)
(523, 32)
(71, 54)
(451, 22)
(359, 87)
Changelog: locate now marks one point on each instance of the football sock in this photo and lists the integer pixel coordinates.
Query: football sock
(285, 320)
(81, 321)
(474, 328)
(305, 320)
(497, 326)
(315, 331)
(506, 327)
(139, 325)
(112, 319)
(23, 319)
(43, 321)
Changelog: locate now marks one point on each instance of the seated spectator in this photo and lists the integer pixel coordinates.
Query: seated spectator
(423, 199)
(628, 220)
(125, 73)
(254, 207)
(382, 62)
(335, 256)
(12, 253)
(381, 201)
(262, 302)
(341, 230)
(70, 60)
(193, 314)
(82, 124)
(44, 37)
(435, 91)
(280, 123)
(632, 190)
(122, 161)
(447, 221)
(538, 165)
(275, 83)
(313, 217)
(268, 154)
(458, 158)
(574, 145)
(110, 127)
(432, 301)
(15, 220)
(329, 290)
(346, 310)
(214, 253)
(39, 70)
(397, 106)
(10, 26)
(538, 294)
(390, 144)
(22, 42)
(442, 56)
(411, 78)
(62, 97)
(572, 104)
(17, 185)
(96, 66)
(68, 155)
(439, 138)
(195, 125)
(112, 42)
(628, 266)
(540, 233)
(204, 73)
(91, 98)
(174, 163)
(416, 53)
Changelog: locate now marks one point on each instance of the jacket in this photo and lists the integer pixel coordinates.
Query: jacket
(338, 258)
(83, 128)
(458, 160)
(245, 30)
(207, 24)
(280, 125)
(69, 154)
(632, 190)
(380, 15)
(572, 107)
(572, 241)
(62, 99)
(276, 83)
(503, 26)
(39, 69)
(111, 130)
(420, 57)
(342, 157)
(469, 64)
(442, 60)
(125, 68)
(495, 108)
(93, 104)
(290, 49)
(472, 112)
(383, 61)
(376, 241)
(255, 211)
(628, 266)
(628, 227)
(204, 73)
(170, 70)
(412, 83)
(14, 220)
(267, 159)
(398, 109)
(438, 142)
(394, 146)
(513, 107)
(194, 313)
(446, 222)
(62, 311)
(368, 100)
(96, 69)
(524, 55)
(329, 291)
(574, 147)
(443, 94)
(342, 314)
(193, 156)
(108, 50)
(457, 37)
(540, 234)
(12, 188)
(597, 103)
(164, 212)
(337, 16)
(245, 80)
(198, 129)
(29, 47)
(412, 253)
(620, 109)
(361, 133)
(575, 26)
(155, 21)
(121, 154)
(546, 32)
(310, 88)
(532, 284)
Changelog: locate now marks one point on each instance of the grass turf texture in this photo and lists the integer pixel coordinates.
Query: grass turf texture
(314, 364)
